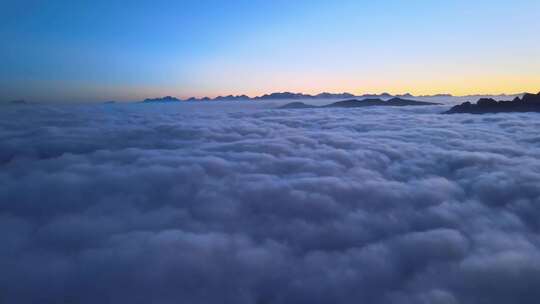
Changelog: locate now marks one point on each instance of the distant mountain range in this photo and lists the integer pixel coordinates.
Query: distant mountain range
(528, 103)
(289, 96)
(355, 103)
(284, 96)
(163, 99)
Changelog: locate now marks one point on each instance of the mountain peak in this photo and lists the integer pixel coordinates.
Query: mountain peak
(162, 99)
(528, 103)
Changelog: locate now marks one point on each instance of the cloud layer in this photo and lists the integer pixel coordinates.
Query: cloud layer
(197, 204)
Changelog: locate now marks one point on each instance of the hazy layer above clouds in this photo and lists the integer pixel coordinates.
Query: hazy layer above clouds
(197, 204)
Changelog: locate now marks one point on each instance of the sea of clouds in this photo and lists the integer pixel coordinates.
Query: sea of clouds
(247, 204)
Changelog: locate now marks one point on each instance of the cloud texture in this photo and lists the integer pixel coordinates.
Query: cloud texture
(197, 204)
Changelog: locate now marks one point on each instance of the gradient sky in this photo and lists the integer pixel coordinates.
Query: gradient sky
(65, 50)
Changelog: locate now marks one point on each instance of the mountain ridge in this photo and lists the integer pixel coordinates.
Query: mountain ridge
(284, 96)
(359, 103)
(276, 96)
(528, 103)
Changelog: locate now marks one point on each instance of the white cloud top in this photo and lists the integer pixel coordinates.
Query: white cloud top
(194, 204)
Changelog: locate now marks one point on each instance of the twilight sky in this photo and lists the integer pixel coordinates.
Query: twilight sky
(62, 50)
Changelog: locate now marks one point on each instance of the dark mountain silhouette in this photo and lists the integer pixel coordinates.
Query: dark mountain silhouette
(162, 99)
(284, 95)
(232, 97)
(383, 95)
(493, 95)
(298, 96)
(297, 105)
(355, 103)
(406, 95)
(379, 102)
(528, 103)
(326, 95)
(436, 95)
(273, 97)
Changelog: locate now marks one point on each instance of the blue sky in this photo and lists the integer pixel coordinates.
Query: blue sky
(101, 50)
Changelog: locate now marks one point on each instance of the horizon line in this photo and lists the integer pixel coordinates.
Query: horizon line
(215, 97)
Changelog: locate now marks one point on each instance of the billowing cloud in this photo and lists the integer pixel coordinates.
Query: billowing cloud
(202, 204)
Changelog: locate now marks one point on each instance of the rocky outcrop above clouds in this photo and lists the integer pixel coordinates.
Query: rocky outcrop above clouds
(527, 103)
